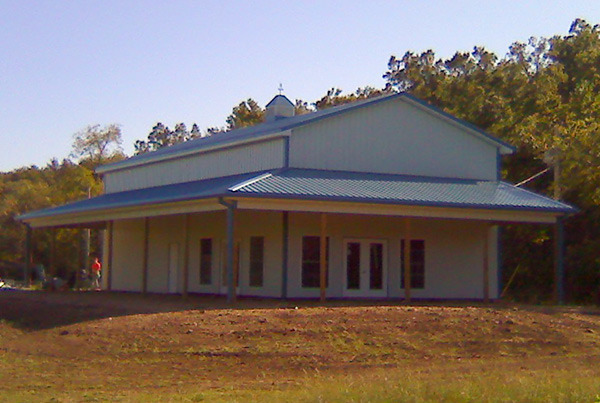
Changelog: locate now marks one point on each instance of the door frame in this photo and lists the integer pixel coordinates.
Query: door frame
(365, 291)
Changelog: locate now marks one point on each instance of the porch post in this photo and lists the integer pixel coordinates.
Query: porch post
(230, 248)
(407, 261)
(52, 268)
(323, 256)
(559, 264)
(110, 257)
(28, 249)
(486, 266)
(284, 253)
(145, 261)
(186, 256)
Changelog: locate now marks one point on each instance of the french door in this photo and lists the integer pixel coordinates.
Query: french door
(365, 263)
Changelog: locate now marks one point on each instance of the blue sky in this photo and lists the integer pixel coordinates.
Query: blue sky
(66, 64)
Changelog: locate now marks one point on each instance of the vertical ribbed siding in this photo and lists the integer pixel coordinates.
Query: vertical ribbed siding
(393, 137)
(248, 158)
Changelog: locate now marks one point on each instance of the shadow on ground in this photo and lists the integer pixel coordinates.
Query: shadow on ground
(37, 310)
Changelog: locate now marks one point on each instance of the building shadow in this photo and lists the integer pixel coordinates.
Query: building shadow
(39, 310)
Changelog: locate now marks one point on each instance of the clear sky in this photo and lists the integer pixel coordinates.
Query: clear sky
(68, 64)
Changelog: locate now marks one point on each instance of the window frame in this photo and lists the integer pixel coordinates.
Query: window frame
(202, 261)
(254, 262)
(314, 262)
(417, 264)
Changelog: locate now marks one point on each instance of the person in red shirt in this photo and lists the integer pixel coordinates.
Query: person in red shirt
(96, 269)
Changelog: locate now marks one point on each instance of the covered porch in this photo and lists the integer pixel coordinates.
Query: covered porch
(311, 234)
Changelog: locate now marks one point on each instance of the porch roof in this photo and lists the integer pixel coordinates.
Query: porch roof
(320, 185)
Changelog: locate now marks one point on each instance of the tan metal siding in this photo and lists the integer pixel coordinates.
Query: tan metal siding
(453, 253)
(128, 252)
(247, 158)
(393, 137)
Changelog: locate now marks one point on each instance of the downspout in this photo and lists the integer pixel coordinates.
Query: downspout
(231, 206)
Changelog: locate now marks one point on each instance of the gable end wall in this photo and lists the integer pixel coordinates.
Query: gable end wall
(393, 137)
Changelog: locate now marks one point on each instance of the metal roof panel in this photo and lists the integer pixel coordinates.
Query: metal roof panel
(312, 184)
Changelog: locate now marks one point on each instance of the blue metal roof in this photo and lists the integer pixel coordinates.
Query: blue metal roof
(140, 197)
(311, 184)
(278, 126)
(398, 189)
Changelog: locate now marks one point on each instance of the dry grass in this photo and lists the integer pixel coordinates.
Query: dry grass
(99, 346)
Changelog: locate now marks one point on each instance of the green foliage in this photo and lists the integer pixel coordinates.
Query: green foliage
(544, 95)
(32, 188)
(98, 144)
(161, 136)
(247, 113)
(467, 383)
(334, 97)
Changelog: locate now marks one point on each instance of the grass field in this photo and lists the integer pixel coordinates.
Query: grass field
(120, 347)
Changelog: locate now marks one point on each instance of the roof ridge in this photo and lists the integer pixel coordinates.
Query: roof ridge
(250, 181)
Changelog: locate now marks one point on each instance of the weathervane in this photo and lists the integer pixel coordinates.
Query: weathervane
(280, 89)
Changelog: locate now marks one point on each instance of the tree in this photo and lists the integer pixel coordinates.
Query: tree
(246, 113)
(334, 96)
(98, 144)
(161, 136)
(542, 96)
(33, 188)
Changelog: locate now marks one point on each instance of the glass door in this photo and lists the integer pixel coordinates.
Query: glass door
(365, 263)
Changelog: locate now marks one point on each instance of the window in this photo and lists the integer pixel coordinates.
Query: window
(257, 254)
(206, 261)
(417, 263)
(311, 248)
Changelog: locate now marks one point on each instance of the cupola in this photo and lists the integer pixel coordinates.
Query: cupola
(279, 107)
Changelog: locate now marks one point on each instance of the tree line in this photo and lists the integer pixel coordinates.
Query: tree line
(543, 97)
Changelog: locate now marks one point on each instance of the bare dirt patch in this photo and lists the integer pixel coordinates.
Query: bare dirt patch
(110, 345)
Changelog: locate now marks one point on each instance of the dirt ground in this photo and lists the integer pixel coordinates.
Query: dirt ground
(111, 345)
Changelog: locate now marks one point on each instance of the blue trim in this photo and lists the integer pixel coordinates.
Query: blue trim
(498, 165)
